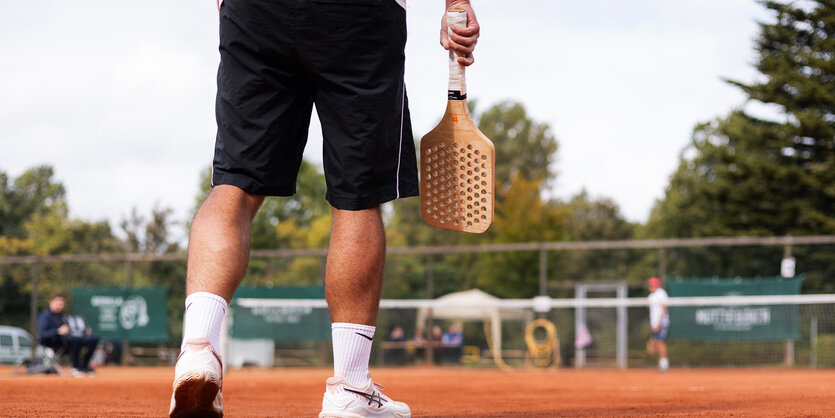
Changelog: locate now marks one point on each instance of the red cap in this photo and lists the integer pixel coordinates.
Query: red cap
(654, 281)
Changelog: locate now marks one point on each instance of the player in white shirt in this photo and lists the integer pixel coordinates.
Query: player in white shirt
(659, 319)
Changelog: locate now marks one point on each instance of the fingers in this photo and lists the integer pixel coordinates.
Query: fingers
(471, 31)
(444, 36)
(466, 60)
(461, 39)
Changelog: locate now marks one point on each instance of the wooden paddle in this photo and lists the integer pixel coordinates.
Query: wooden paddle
(457, 162)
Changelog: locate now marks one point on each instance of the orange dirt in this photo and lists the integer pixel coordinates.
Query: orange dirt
(444, 392)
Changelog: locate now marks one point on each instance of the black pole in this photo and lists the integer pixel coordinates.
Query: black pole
(33, 310)
(543, 272)
(125, 344)
(430, 291)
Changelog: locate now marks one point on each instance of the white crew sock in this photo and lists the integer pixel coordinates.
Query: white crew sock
(351, 352)
(203, 316)
(663, 363)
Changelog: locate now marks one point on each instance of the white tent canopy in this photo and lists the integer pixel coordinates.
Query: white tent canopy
(469, 305)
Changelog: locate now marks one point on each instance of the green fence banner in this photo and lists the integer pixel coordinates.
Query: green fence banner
(734, 323)
(124, 313)
(280, 322)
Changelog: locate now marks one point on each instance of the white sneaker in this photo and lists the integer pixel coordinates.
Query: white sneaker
(343, 400)
(198, 378)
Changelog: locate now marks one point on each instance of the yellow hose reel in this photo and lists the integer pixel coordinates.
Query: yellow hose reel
(542, 353)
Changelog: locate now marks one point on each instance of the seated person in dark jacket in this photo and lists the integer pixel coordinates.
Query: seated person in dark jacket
(67, 332)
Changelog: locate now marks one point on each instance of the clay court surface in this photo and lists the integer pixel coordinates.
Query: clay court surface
(444, 392)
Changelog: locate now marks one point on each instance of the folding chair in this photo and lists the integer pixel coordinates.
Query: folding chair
(45, 363)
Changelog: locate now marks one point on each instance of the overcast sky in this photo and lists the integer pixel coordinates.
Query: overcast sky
(119, 96)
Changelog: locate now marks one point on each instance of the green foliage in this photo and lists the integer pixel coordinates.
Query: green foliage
(521, 216)
(34, 221)
(590, 220)
(738, 183)
(596, 220)
(151, 236)
(297, 212)
(524, 147)
(14, 303)
(826, 350)
(796, 58)
(34, 193)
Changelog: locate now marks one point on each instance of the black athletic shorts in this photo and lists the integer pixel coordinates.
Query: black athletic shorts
(277, 59)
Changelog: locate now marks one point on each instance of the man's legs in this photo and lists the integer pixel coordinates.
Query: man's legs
(217, 258)
(60, 344)
(218, 254)
(74, 346)
(354, 272)
(90, 342)
(353, 282)
(218, 250)
(661, 349)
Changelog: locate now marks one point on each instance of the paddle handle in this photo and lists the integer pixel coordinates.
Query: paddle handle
(457, 83)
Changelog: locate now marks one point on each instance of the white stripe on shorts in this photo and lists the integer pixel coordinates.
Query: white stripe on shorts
(400, 146)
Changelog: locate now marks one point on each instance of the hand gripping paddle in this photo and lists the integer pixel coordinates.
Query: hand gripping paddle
(457, 161)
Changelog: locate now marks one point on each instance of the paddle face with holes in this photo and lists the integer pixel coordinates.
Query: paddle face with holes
(457, 163)
(456, 166)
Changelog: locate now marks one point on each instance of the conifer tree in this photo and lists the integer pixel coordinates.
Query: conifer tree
(744, 175)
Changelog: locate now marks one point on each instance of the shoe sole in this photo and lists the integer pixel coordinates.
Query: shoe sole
(194, 396)
(344, 414)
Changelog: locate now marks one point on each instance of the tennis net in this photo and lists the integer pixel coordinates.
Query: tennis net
(716, 331)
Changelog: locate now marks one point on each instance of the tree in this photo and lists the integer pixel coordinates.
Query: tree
(524, 147)
(151, 236)
(299, 212)
(34, 221)
(594, 220)
(743, 175)
(521, 216)
(588, 219)
(796, 56)
(33, 193)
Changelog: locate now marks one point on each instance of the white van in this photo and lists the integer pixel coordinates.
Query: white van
(15, 344)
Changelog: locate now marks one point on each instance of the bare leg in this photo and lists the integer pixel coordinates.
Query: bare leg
(218, 250)
(661, 348)
(354, 272)
(353, 281)
(218, 254)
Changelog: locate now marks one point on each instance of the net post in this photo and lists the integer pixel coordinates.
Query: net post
(430, 289)
(33, 309)
(126, 356)
(813, 341)
(622, 339)
(789, 361)
(543, 272)
(579, 321)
